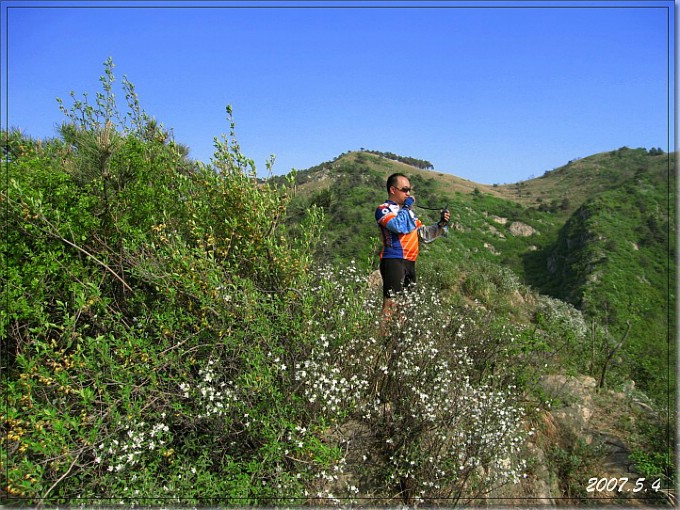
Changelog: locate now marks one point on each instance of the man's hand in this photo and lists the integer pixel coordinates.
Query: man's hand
(409, 202)
(445, 217)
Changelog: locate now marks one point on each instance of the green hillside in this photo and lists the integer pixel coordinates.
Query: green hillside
(349, 188)
(568, 186)
(615, 260)
(598, 233)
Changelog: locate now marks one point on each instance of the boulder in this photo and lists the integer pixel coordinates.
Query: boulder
(517, 228)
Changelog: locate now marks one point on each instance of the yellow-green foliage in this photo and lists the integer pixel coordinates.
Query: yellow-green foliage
(151, 309)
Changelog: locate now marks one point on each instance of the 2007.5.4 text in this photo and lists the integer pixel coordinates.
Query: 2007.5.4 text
(621, 485)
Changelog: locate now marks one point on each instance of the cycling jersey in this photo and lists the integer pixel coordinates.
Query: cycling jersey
(401, 231)
(398, 229)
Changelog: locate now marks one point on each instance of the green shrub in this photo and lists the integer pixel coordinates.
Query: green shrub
(154, 308)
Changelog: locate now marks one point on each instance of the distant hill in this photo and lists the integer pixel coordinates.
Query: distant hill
(316, 177)
(572, 184)
(615, 259)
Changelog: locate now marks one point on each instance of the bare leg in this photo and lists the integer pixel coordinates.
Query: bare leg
(389, 307)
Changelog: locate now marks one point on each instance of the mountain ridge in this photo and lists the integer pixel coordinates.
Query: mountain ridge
(577, 178)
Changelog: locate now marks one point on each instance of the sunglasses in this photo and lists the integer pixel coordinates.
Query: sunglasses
(405, 189)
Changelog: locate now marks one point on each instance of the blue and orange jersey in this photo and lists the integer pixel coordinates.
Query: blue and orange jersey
(399, 231)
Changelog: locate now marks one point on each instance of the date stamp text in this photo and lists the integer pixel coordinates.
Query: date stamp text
(622, 485)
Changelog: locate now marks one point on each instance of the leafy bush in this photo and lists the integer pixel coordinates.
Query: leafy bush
(150, 305)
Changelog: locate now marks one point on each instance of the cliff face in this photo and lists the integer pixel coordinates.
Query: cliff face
(573, 260)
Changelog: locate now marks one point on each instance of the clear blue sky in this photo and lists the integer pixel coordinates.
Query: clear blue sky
(495, 92)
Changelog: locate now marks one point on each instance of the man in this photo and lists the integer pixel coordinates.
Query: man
(401, 232)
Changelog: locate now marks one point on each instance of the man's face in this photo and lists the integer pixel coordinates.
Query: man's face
(397, 193)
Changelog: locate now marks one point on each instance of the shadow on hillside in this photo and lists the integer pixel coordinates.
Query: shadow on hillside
(537, 274)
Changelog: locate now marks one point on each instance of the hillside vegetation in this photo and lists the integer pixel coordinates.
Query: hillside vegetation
(602, 238)
(180, 332)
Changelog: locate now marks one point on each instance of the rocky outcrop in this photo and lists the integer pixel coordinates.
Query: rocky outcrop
(573, 402)
(581, 413)
(517, 228)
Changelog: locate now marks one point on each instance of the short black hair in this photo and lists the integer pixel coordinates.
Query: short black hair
(392, 180)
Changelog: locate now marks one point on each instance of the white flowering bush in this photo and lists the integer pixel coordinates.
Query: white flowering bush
(426, 420)
(215, 396)
(136, 440)
(568, 334)
(561, 314)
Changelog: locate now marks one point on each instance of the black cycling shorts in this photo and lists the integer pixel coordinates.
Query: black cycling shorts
(397, 275)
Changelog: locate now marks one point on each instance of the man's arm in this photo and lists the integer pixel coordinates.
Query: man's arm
(399, 223)
(427, 234)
